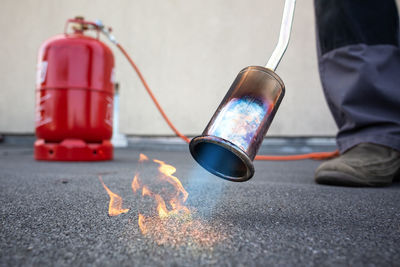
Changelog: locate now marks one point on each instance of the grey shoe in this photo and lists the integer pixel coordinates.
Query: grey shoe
(363, 165)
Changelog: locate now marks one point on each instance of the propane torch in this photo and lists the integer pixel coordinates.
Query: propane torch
(230, 141)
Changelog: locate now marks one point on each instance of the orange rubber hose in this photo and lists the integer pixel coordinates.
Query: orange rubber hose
(146, 86)
(315, 155)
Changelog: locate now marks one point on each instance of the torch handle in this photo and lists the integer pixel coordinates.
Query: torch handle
(284, 35)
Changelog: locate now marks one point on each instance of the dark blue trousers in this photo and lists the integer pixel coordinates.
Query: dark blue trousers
(359, 65)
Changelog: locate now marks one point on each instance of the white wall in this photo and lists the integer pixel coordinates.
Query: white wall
(189, 51)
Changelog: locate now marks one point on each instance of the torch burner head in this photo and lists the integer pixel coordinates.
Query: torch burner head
(222, 158)
(234, 134)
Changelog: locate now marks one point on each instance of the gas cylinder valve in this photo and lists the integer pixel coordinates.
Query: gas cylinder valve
(106, 31)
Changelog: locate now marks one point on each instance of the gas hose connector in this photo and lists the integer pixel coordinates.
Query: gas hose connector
(106, 31)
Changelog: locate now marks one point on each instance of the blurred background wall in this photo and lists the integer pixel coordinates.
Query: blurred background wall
(189, 51)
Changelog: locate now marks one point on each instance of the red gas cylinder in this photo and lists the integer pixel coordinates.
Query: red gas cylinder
(74, 97)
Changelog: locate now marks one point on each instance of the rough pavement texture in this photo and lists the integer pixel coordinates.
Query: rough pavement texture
(55, 214)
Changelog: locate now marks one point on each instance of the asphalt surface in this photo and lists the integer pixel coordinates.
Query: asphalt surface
(56, 214)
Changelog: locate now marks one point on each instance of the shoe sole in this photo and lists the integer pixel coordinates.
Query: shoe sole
(343, 179)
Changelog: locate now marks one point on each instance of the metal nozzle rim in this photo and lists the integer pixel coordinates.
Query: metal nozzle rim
(230, 149)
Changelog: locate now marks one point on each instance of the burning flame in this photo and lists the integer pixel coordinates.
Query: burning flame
(143, 157)
(135, 184)
(161, 207)
(181, 195)
(171, 221)
(115, 205)
(142, 224)
(174, 223)
(176, 200)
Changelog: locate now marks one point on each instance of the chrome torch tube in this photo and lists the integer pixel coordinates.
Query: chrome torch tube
(284, 35)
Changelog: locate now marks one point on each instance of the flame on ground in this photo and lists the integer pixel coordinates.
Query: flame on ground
(115, 205)
(135, 184)
(174, 223)
(178, 199)
(142, 225)
(143, 157)
(170, 221)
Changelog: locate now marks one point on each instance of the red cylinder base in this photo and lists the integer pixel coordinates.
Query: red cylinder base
(73, 150)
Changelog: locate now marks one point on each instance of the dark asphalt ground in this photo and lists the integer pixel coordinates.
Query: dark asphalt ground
(55, 214)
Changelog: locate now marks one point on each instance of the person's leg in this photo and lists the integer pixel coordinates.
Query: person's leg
(359, 64)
